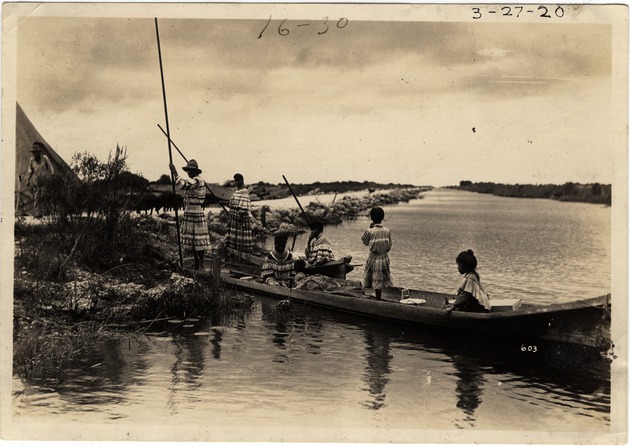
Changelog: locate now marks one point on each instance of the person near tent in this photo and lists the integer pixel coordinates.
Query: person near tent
(39, 168)
(239, 231)
(195, 235)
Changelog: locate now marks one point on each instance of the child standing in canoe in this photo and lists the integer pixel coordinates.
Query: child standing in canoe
(379, 239)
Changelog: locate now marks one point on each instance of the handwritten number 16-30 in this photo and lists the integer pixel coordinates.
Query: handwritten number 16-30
(322, 25)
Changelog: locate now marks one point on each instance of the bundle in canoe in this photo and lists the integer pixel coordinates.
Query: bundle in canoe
(252, 265)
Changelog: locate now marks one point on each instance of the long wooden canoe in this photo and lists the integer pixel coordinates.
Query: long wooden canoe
(582, 322)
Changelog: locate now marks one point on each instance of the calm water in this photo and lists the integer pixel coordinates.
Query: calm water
(540, 250)
(314, 368)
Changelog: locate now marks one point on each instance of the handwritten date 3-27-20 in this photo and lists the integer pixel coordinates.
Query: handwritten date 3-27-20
(321, 26)
(516, 12)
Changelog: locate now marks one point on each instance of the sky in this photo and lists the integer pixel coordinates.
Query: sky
(426, 103)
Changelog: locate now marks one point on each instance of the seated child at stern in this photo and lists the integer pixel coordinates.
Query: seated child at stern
(471, 297)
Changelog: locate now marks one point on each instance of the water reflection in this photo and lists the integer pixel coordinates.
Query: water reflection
(377, 370)
(195, 363)
(215, 341)
(187, 370)
(468, 388)
(313, 332)
(111, 368)
(174, 370)
(292, 327)
(280, 335)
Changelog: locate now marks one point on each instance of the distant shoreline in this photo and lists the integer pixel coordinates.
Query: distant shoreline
(596, 193)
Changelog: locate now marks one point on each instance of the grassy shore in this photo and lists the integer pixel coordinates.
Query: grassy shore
(61, 306)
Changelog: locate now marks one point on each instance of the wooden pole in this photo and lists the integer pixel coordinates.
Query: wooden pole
(170, 153)
(298, 202)
(186, 160)
(173, 143)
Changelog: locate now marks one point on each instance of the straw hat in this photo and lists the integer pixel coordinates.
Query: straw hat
(192, 166)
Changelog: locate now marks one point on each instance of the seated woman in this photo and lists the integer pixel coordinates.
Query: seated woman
(278, 268)
(471, 297)
(318, 250)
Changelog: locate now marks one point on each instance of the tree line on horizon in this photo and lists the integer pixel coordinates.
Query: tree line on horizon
(567, 192)
(323, 187)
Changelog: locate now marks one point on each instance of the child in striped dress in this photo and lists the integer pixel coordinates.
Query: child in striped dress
(376, 272)
(195, 236)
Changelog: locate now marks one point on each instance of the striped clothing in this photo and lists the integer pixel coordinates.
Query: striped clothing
(278, 268)
(239, 231)
(194, 226)
(376, 272)
(319, 251)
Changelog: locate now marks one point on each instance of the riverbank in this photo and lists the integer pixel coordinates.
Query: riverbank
(64, 299)
(60, 305)
(568, 192)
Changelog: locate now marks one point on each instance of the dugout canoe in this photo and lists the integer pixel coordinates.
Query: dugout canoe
(583, 322)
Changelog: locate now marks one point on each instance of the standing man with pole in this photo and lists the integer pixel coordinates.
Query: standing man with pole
(195, 235)
(168, 134)
(186, 160)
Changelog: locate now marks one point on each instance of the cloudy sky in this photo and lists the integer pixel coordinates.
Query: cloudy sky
(428, 103)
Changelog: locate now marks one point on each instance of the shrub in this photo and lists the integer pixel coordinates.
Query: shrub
(91, 210)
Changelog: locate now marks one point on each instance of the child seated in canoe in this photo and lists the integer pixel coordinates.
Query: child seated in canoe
(318, 250)
(278, 268)
(378, 238)
(471, 297)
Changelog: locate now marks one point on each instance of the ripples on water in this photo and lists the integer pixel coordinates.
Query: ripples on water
(314, 368)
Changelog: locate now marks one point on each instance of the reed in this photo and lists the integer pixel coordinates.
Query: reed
(43, 349)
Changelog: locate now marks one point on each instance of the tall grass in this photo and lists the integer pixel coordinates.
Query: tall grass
(43, 349)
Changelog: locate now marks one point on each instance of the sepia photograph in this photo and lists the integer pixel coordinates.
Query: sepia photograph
(322, 223)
